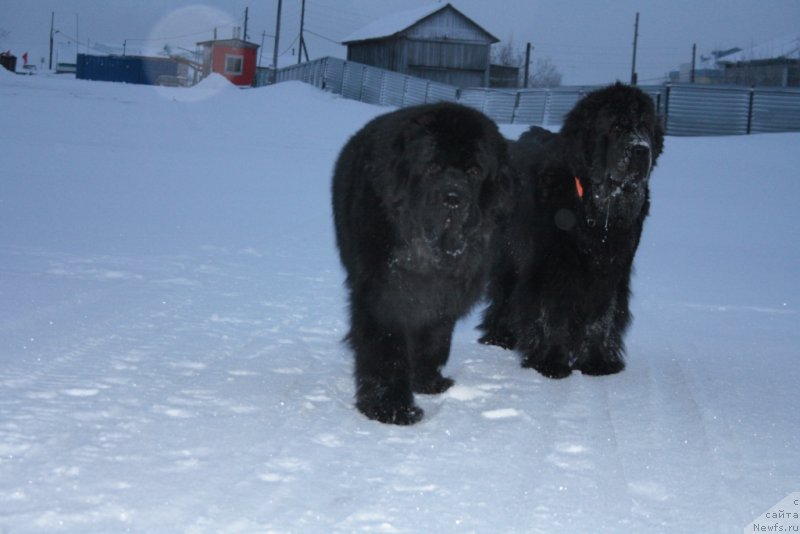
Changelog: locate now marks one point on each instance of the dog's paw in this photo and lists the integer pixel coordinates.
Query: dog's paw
(504, 341)
(432, 385)
(602, 367)
(391, 414)
(549, 369)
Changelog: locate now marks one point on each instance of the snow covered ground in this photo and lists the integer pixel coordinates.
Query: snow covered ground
(171, 309)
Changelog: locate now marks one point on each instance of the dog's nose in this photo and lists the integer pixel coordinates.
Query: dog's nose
(641, 151)
(452, 200)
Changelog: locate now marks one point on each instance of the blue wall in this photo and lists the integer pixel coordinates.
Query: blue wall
(127, 69)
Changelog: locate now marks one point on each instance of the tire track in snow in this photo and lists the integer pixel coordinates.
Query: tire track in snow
(581, 453)
(669, 461)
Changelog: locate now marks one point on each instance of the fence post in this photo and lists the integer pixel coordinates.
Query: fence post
(361, 89)
(750, 109)
(382, 92)
(546, 107)
(516, 105)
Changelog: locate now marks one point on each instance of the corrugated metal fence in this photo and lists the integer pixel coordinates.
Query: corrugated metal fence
(687, 109)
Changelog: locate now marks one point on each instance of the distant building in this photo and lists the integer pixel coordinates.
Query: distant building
(233, 58)
(436, 42)
(775, 63)
(706, 70)
(503, 76)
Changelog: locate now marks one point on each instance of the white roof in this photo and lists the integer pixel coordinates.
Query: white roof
(787, 47)
(395, 23)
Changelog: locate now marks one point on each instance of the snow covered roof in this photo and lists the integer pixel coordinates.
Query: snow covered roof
(235, 43)
(394, 23)
(400, 21)
(786, 47)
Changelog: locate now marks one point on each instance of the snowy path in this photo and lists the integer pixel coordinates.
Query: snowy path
(171, 360)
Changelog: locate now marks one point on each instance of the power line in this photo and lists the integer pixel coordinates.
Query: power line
(230, 25)
(290, 46)
(323, 37)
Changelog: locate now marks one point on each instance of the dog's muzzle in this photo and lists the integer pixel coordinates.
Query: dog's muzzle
(633, 167)
(641, 155)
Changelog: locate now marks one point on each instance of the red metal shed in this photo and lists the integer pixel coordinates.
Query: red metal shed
(233, 58)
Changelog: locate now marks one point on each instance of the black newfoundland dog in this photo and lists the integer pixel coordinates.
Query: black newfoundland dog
(417, 194)
(559, 288)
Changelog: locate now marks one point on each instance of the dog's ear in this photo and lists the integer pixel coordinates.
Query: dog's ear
(414, 137)
(499, 189)
(579, 135)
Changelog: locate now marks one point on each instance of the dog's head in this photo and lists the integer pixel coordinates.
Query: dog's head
(613, 138)
(451, 184)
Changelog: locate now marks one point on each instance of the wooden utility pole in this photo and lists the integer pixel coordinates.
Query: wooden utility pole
(694, 54)
(246, 10)
(275, 47)
(528, 50)
(302, 46)
(52, 21)
(635, 44)
(261, 49)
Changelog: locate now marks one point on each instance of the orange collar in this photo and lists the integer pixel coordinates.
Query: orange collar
(578, 187)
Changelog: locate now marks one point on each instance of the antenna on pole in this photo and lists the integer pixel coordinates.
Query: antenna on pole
(634, 76)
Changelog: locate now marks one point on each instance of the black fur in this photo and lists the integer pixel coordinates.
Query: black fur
(416, 198)
(559, 288)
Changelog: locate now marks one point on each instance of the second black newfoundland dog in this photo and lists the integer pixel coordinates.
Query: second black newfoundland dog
(560, 284)
(417, 194)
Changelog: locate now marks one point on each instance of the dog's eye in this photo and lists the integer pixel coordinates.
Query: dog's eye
(474, 171)
(617, 129)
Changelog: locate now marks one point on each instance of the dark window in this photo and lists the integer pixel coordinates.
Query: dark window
(233, 64)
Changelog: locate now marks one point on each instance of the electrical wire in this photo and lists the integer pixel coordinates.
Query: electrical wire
(290, 46)
(322, 36)
(204, 32)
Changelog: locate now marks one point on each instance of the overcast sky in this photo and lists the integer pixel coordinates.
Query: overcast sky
(589, 41)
